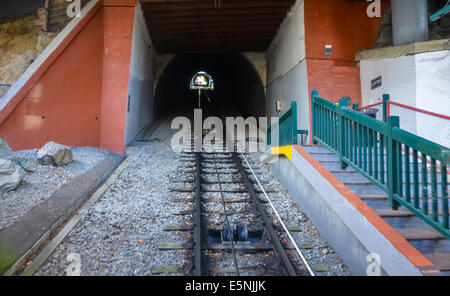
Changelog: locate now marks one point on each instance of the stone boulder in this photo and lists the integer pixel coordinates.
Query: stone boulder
(55, 154)
(5, 150)
(11, 175)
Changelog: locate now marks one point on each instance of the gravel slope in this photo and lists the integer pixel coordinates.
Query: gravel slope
(42, 183)
(120, 234)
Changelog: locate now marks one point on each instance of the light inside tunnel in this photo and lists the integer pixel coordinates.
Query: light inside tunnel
(238, 89)
(202, 80)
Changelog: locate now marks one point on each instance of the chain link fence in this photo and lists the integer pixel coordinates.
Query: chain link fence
(425, 124)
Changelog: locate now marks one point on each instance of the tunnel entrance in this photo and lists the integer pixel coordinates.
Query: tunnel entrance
(238, 91)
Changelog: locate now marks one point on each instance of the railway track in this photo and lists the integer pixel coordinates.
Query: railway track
(235, 228)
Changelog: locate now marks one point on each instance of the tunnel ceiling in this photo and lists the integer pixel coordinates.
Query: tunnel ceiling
(213, 25)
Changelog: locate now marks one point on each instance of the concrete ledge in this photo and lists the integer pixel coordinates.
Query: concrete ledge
(352, 228)
(19, 240)
(403, 50)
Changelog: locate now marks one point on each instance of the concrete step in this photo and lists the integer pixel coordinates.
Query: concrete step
(383, 197)
(420, 233)
(389, 212)
(406, 222)
(363, 187)
(333, 165)
(315, 148)
(380, 201)
(441, 261)
(325, 157)
(344, 175)
(377, 203)
(367, 187)
(431, 246)
(402, 212)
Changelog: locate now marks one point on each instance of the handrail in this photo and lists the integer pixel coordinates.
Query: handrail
(388, 156)
(415, 109)
(287, 128)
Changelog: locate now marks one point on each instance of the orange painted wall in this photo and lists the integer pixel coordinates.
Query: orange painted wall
(118, 32)
(63, 105)
(79, 95)
(345, 25)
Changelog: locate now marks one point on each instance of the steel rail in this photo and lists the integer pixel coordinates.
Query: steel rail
(226, 217)
(278, 248)
(305, 262)
(198, 218)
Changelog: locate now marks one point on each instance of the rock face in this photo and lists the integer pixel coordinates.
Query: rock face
(5, 150)
(55, 154)
(11, 175)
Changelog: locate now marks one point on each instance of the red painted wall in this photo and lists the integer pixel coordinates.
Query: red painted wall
(118, 32)
(79, 95)
(345, 25)
(63, 105)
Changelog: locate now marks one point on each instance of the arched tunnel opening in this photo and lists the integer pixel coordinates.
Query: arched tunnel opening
(238, 91)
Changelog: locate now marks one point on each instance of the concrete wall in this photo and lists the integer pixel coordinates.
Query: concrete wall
(409, 21)
(433, 81)
(398, 79)
(286, 67)
(118, 24)
(296, 60)
(259, 62)
(420, 80)
(76, 91)
(140, 88)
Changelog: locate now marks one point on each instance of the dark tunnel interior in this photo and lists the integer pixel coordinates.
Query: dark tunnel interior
(238, 91)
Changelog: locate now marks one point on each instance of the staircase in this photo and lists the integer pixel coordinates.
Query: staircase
(424, 238)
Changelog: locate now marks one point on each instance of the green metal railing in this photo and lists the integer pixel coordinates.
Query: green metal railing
(287, 129)
(400, 163)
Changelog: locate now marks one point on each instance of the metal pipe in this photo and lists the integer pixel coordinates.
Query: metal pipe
(409, 21)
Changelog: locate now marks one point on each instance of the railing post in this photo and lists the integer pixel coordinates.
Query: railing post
(386, 98)
(392, 155)
(314, 94)
(355, 107)
(294, 122)
(343, 103)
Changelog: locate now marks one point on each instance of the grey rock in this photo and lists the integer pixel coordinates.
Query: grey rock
(5, 150)
(55, 154)
(11, 175)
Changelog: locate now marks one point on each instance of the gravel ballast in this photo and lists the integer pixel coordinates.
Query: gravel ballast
(121, 232)
(41, 182)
